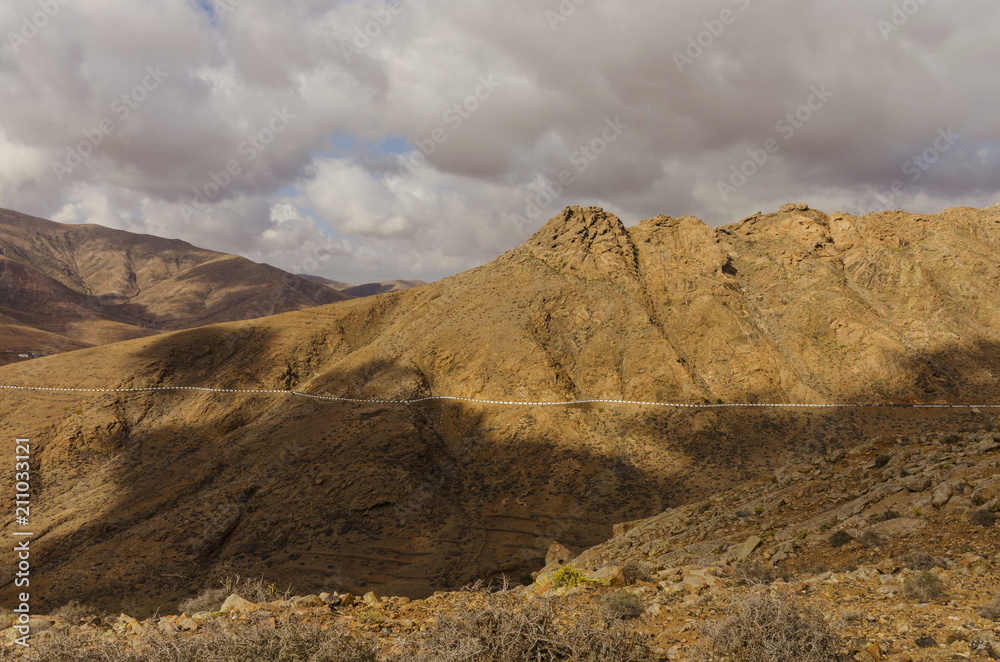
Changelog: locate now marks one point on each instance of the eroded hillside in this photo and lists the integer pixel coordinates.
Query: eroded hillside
(152, 495)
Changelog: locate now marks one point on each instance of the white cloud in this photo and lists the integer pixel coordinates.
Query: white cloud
(550, 92)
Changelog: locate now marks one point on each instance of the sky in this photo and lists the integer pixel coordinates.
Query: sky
(366, 140)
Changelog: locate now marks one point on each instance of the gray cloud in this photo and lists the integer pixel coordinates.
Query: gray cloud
(275, 128)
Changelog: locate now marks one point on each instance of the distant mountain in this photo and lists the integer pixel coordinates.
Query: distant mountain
(335, 284)
(368, 289)
(64, 287)
(157, 495)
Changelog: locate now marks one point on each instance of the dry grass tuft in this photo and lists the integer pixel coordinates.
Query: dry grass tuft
(296, 642)
(506, 629)
(764, 628)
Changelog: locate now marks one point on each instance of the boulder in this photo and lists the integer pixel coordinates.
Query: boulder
(942, 493)
(557, 554)
(308, 601)
(916, 483)
(610, 575)
(743, 550)
(235, 603)
(901, 526)
(986, 490)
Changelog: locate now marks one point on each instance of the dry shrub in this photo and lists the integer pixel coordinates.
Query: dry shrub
(504, 628)
(751, 573)
(619, 605)
(922, 561)
(765, 628)
(637, 571)
(296, 642)
(924, 587)
(75, 611)
(840, 538)
(868, 539)
(992, 610)
(984, 517)
(255, 590)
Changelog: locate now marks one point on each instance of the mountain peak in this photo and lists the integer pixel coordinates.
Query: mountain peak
(585, 239)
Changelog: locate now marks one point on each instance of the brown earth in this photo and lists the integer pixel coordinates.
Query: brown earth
(902, 508)
(154, 495)
(63, 287)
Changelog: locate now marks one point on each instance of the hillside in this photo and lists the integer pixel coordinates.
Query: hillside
(154, 494)
(893, 544)
(64, 287)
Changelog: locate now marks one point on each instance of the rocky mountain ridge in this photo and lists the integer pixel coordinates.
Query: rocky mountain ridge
(161, 493)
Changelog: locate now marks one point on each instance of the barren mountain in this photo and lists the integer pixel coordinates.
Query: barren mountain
(65, 287)
(368, 289)
(153, 494)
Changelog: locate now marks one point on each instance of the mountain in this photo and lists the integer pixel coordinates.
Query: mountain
(335, 284)
(155, 494)
(65, 287)
(384, 287)
(368, 289)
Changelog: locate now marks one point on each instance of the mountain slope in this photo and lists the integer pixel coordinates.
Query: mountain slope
(157, 492)
(367, 289)
(68, 286)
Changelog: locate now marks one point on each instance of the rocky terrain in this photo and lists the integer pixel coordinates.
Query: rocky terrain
(893, 541)
(64, 287)
(155, 495)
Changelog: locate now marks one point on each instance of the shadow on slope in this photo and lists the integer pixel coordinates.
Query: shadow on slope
(156, 496)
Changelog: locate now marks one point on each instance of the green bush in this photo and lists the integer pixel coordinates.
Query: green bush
(370, 617)
(568, 576)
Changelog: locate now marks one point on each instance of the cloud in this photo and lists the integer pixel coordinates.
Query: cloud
(272, 129)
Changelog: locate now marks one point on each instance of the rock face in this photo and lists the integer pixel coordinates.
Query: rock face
(796, 306)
